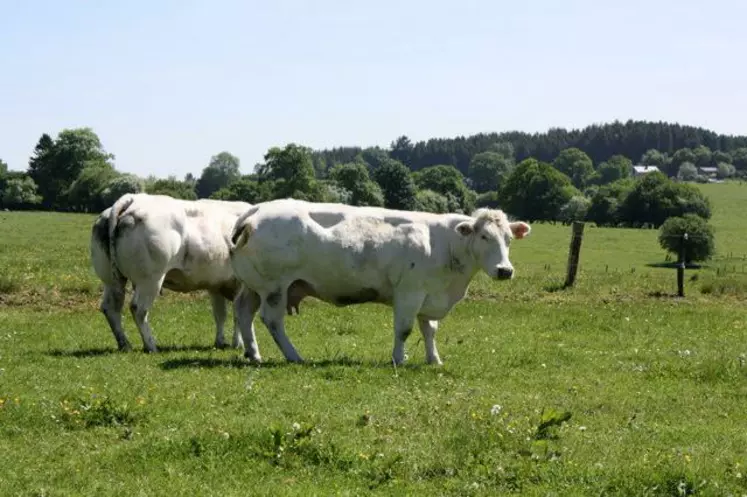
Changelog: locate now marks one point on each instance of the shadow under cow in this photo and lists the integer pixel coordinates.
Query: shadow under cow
(103, 351)
(240, 362)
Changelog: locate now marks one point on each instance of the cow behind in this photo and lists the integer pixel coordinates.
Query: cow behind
(156, 241)
(421, 264)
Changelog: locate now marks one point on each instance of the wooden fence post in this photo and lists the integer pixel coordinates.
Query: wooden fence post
(577, 235)
(681, 268)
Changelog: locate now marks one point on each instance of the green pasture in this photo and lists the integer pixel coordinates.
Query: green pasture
(612, 387)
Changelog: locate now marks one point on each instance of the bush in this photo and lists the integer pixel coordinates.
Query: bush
(336, 194)
(430, 201)
(726, 170)
(449, 182)
(245, 190)
(700, 242)
(606, 201)
(536, 191)
(687, 172)
(654, 198)
(575, 209)
(120, 185)
(491, 200)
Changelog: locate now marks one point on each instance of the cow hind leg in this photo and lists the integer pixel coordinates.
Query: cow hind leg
(142, 301)
(406, 307)
(237, 342)
(112, 303)
(428, 329)
(218, 304)
(246, 304)
(272, 312)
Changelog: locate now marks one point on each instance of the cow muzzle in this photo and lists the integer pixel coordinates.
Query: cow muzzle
(504, 273)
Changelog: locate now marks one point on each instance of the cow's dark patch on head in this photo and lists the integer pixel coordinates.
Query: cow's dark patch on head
(363, 296)
(456, 265)
(273, 299)
(412, 265)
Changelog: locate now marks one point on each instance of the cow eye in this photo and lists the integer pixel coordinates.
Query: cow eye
(484, 237)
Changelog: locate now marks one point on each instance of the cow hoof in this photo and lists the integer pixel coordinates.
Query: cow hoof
(150, 351)
(220, 345)
(257, 359)
(125, 348)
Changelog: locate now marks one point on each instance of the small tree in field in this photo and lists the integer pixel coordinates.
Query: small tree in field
(699, 245)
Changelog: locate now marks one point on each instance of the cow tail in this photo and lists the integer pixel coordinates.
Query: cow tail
(117, 209)
(241, 234)
(242, 229)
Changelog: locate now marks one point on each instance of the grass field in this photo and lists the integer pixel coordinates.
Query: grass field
(613, 387)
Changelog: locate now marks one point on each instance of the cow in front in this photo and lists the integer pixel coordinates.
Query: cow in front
(421, 264)
(156, 242)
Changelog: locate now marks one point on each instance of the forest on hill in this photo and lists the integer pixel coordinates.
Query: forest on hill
(631, 139)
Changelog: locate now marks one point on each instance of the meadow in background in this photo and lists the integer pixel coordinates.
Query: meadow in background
(612, 386)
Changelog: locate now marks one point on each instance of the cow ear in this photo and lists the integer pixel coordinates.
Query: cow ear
(520, 229)
(465, 228)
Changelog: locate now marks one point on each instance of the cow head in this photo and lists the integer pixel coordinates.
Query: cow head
(488, 236)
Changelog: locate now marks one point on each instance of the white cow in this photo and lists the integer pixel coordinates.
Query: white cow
(416, 262)
(158, 242)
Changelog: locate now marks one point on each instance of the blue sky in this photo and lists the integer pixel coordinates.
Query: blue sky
(166, 83)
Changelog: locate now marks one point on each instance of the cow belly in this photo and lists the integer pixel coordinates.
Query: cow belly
(354, 294)
(178, 280)
(342, 292)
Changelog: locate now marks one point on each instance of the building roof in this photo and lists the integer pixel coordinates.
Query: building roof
(641, 169)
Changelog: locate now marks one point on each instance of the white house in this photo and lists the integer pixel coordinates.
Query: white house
(641, 169)
(710, 172)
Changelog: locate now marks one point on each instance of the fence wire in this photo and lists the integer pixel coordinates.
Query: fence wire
(635, 260)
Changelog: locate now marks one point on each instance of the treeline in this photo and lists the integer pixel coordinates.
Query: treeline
(600, 141)
(555, 176)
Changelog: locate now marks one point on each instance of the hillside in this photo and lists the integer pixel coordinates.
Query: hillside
(600, 141)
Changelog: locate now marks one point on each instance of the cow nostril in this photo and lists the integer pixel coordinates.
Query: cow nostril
(505, 273)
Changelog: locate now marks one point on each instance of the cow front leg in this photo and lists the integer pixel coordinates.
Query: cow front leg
(428, 329)
(218, 303)
(111, 306)
(246, 304)
(272, 312)
(406, 308)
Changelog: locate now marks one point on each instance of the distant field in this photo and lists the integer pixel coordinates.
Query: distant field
(656, 387)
